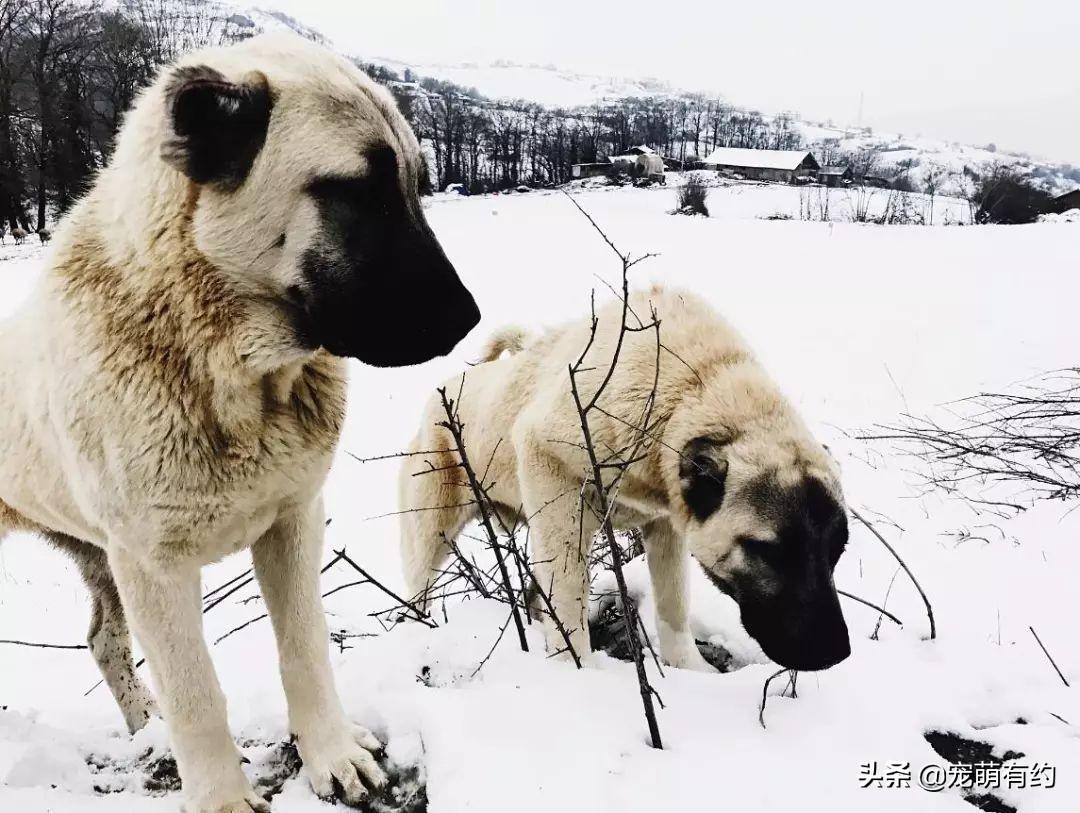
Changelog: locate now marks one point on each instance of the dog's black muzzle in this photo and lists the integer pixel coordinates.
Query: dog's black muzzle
(397, 302)
(799, 633)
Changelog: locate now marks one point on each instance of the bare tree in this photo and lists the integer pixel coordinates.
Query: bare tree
(935, 175)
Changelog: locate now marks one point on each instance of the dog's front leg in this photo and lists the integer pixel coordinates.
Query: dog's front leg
(287, 561)
(164, 610)
(560, 533)
(666, 554)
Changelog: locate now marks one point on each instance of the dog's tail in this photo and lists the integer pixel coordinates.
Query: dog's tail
(510, 339)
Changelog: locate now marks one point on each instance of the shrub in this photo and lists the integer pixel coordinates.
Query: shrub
(1007, 197)
(690, 197)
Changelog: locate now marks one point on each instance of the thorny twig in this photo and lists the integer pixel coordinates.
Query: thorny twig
(217, 601)
(903, 564)
(791, 673)
(885, 613)
(454, 426)
(43, 646)
(1029, 437)
(604, 490)
(418, 614)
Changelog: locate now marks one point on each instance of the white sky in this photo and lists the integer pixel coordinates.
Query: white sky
(976, 71)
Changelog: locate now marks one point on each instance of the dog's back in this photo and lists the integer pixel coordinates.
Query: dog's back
(506, 396)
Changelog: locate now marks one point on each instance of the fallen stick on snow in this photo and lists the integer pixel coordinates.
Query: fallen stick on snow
(1047, 654)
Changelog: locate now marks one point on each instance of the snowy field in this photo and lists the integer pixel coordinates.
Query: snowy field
(858, 323)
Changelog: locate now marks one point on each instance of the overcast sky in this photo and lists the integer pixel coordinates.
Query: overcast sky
(977, 71)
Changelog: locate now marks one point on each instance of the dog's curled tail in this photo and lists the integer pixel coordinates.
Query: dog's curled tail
(510, 339)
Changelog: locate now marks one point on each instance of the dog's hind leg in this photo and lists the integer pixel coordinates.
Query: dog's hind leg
(668, 561)
(108, 637)
(433, 514)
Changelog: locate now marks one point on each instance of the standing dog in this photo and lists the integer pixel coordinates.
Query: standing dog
(19, 235)
(173, 391)
(730, 474)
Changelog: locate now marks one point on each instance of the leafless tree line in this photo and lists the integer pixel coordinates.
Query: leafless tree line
(69, 70)
(486, 145)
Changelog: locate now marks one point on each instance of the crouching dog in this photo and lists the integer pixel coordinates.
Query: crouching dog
(174, 390)
(730, 475)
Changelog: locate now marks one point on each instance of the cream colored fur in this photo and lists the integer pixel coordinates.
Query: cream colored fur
(709, 385)
(159, 414)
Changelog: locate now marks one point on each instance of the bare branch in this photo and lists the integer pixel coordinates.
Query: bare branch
(1048, 657)
(903, 564)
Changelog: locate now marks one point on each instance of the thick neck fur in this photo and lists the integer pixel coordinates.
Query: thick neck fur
(163, 321)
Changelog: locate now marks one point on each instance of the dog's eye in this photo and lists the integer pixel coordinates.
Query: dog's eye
(280, 241)
(764, 550)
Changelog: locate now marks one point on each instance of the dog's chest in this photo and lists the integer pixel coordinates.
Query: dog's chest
(211, 473)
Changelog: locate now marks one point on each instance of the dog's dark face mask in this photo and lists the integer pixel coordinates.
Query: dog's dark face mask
(376, 283)
(773, 548)
(347, 255)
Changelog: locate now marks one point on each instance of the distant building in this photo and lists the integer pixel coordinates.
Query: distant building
(591, 170)
(880, 181)
(787, 166)
(1063, 203)
(640, 162)
(835, 176)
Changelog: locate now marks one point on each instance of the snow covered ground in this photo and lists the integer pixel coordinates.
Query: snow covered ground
(858, 323)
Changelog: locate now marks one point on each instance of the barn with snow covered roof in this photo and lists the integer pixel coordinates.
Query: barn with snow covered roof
(1070, 200)
(787, 166)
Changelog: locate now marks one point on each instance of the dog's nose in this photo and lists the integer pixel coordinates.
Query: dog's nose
(822, 643)
(820, 655)
(461, 319)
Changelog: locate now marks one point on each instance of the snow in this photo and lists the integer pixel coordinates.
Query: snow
(1068, 216)
(858, 323)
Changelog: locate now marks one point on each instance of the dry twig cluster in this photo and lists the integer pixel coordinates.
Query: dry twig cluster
(1002, 451)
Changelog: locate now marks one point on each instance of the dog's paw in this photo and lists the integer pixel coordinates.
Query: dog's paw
(689, 658)
(218, 785)
(340, 763)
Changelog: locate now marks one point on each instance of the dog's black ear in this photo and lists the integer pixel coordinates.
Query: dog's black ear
(702, 472)
(216, 127)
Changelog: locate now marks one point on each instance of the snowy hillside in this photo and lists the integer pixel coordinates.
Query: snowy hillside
(543, 84)
(919, 159)
(922, 158)
(858, 324)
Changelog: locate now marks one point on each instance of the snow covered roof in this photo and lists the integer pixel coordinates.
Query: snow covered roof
(833, 171)
(759, 159)
(641, 149)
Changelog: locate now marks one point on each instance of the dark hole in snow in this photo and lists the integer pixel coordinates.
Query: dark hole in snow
(963, 751)
(989, 802)
(283, 764)
(404, 793)
(608, 634)
(162, 775)
(957, 749)
(156, 773)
